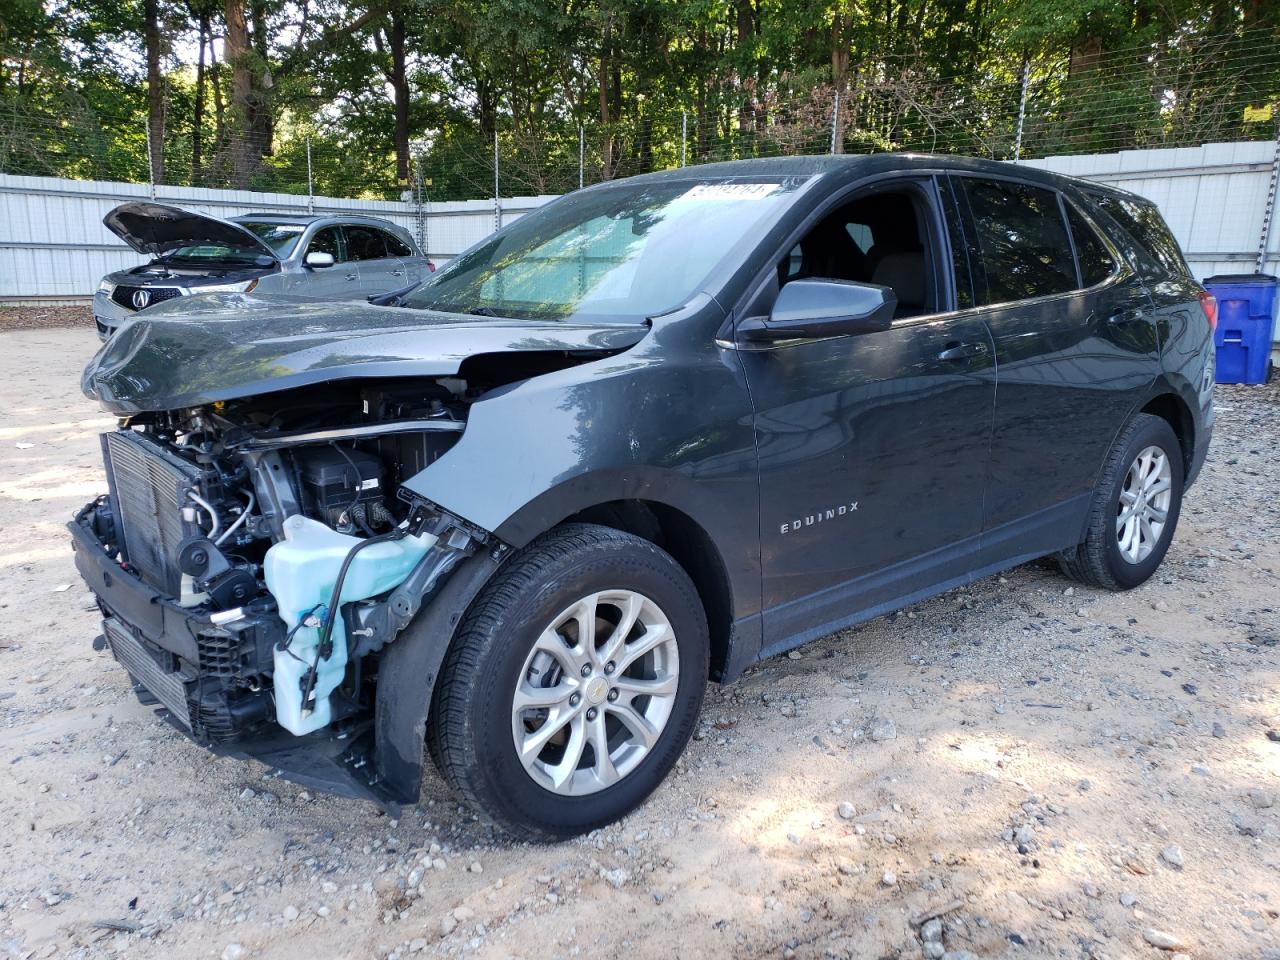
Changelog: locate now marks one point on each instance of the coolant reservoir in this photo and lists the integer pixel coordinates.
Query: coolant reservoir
(301, 571)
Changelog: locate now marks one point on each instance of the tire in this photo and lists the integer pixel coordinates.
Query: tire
(1110, 557)
(575, 574)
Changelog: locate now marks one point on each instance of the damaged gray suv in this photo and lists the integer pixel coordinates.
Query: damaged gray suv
(651, 434)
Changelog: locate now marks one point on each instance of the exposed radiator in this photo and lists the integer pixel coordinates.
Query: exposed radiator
(150, 486)
(166, 686)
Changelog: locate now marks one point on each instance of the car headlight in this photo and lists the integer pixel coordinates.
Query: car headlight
(107, 287)
(241, 287)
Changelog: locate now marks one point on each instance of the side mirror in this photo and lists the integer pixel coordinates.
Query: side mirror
(824, 308)
(319, 260)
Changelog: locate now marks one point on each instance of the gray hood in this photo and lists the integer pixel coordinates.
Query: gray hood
(202, 349)
(156, 228)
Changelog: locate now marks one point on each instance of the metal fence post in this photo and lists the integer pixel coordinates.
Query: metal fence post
(311, 193)
(420, 205)
(835, 120)
(151, 167)
(1022, 110)
(684, 137)
(1269, 211)
(582, 153)
(497, 201)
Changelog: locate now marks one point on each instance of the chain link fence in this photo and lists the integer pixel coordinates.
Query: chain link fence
(1179, 94)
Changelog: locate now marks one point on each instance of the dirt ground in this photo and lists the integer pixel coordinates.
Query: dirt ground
(1053, 772)
(44, 318)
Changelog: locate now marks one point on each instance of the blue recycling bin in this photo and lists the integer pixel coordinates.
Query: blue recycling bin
(1246, 324)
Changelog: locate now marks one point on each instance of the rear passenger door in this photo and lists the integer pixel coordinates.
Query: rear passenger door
(413, 264)
(379, 272)
(1075, 352)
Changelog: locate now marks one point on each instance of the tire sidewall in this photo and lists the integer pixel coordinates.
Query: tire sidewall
(1155, 433)
(631, 565)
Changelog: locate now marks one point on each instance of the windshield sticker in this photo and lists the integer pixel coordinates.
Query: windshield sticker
(730, 191)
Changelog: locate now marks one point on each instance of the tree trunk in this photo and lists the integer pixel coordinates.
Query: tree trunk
(746, 30)
(155, 89)
(839, 76)
(606, 136)
(238, 56)
(261, 118)
(197, 113)
(700, 105)
(400, 87)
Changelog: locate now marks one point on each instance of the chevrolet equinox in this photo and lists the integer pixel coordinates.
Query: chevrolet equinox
(656, 431)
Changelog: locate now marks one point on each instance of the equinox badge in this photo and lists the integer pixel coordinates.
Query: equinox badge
(831, 513)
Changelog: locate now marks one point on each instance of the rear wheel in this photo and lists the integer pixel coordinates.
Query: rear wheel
(1134, 511)
(573, 684)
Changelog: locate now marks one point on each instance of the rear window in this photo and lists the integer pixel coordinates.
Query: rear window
(1021, 239)
(365, 243)
(397, 247)
(1096, 262)
(1143, 222)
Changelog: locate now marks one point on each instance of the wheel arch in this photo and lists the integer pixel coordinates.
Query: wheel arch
(1174, 410)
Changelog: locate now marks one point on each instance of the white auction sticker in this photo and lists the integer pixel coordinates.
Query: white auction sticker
(730, 191)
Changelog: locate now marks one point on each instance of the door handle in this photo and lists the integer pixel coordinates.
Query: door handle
(962, 351)
(1126, 317)
(397, 273)
(353, 276)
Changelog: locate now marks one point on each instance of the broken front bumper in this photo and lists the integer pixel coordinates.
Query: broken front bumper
(194, 669)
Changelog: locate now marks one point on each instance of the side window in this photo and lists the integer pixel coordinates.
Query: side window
(960, 270)
(1021, 240)
(880, 238)
(365, 243)
(396, 247)
(1144, 223)
(1095, 260)
(327, 241)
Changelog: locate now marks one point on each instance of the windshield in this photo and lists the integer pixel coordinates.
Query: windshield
(629, 251)
(280, 237)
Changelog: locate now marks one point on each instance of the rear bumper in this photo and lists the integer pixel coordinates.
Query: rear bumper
(179, 659)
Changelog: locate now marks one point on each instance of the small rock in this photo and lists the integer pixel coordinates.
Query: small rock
(1172, 855)
(1161, 939)
(1025, 835)
(475, 867)
(882, 728)
(1260, 799)
(417, 945)
(932, 930)
(447, 925)
(290, 913)
(1128, 898)
(890, 879)
(846, 810)
(934, 950)
(463, 914)
(247, 793)
(1219, 731)
(1249, 826)
(233, 951)
(616, 878)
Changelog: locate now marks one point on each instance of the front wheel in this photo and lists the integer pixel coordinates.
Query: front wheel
(1135, 508)
(573, 684)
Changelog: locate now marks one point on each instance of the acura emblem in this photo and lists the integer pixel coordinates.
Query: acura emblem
(141, 298)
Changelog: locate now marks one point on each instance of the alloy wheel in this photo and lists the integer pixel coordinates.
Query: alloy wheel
(595, 692)
(1144, 504)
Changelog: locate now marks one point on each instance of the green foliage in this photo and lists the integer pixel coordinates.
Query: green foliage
(627, 85)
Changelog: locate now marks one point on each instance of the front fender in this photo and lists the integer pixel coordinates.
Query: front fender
(668, 421)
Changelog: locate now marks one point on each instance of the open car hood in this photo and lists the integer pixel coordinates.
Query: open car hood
(156, 228)
(202, 349)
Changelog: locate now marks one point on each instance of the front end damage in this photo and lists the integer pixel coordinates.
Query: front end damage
(255, 558)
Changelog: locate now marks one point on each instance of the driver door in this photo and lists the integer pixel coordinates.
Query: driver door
(339, 282)
(872, 448)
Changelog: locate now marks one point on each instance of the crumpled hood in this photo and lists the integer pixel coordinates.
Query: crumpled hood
(201, 349)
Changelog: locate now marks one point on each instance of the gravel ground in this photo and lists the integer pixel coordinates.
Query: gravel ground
(44, 318)
(1016, 769)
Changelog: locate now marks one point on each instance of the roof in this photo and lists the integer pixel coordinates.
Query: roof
(845, 166)
(309, 218)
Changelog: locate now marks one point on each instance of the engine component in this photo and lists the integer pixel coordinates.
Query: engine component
(342, 487)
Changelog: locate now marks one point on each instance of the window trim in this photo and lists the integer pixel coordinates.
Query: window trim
(1119, 262)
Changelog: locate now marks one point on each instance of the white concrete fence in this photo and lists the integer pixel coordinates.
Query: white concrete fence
(53, 245)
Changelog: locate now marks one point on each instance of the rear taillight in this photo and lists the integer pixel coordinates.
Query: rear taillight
(1210, 307)
(431, 266)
